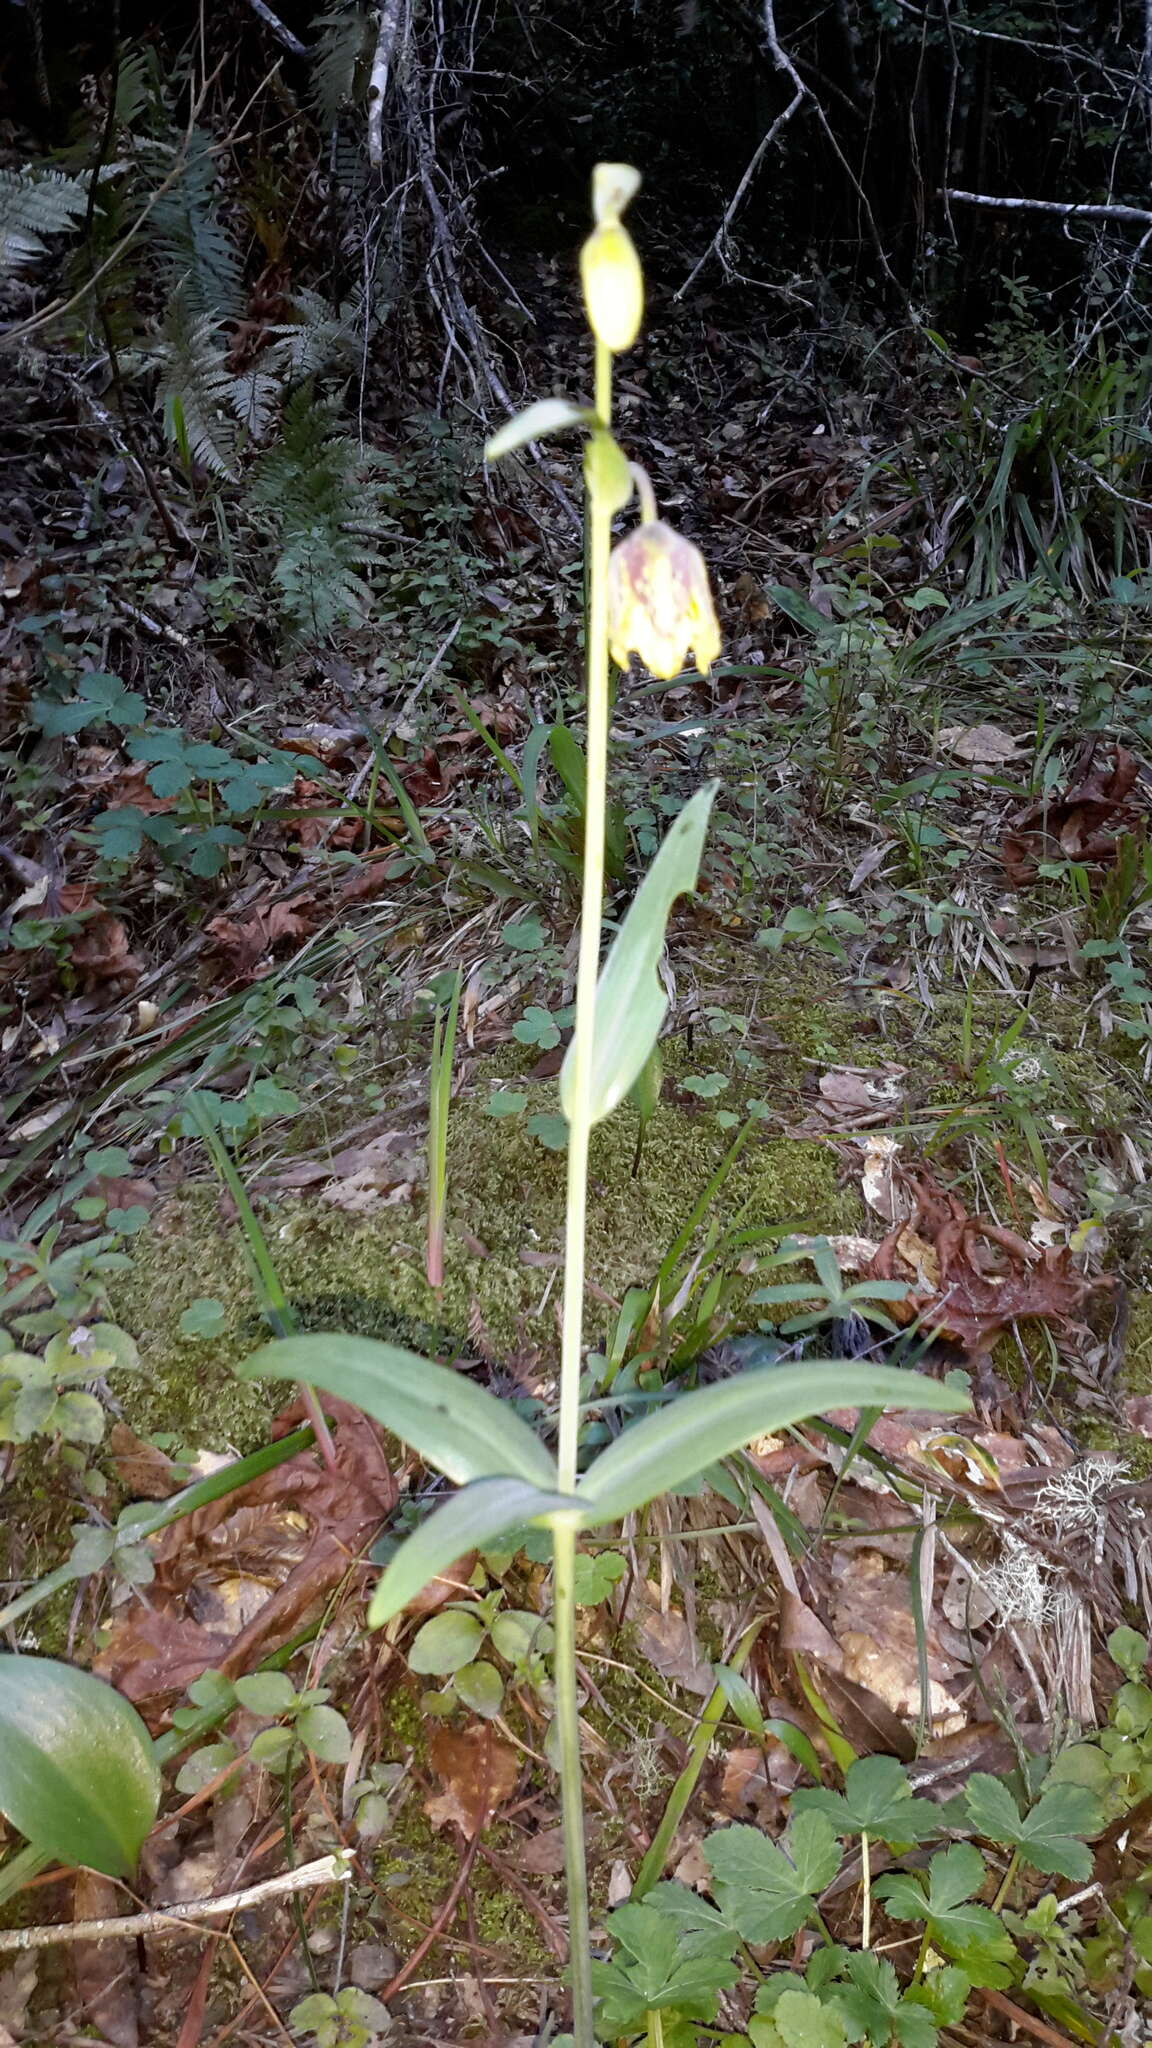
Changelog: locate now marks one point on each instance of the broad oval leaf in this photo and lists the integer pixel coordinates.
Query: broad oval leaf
(547, 416)
(473, 1518)
(698, 1428)
(457, 1426)
(630, 997)
(78, 1771)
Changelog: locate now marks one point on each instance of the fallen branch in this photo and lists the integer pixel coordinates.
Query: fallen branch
(1065, 209)
(390, 18)
(282, 34)
(170, 1919)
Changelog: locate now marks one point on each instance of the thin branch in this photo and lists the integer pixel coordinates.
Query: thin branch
(716, 245)
(325, 1870)
(391, 15)
(784, 63)
(1064, 208)
(283, 35)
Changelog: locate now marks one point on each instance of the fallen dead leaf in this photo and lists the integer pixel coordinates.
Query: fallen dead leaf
(144, 1471)
(670, 1647)
(981, 1277)
(478, 1771)
(983, 744)
(237, 1578)
(1084, 821)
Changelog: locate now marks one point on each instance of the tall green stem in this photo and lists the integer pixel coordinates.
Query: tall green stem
(579, 1133)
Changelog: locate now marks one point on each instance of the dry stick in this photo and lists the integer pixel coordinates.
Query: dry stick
(784, 63)
(325, 1870)
(283, 35)
(1065, 209)
(391, 15)
(762, 147)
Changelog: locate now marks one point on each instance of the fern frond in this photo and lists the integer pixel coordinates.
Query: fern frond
(34, 204)
(316, 338)
(197, 252)
(315, 496)
(341, 55)
(196, 389)
(254, 398)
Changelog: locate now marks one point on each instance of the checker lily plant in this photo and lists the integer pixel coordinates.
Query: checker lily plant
(649, 596)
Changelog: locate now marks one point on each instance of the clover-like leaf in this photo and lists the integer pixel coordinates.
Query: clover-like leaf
(1050, 1837)
(765, 1890)
(877, 1800)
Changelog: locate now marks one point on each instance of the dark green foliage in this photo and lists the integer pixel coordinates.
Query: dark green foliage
(314, 494)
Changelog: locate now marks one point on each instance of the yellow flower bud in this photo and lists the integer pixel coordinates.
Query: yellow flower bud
(613, 286)
(659, 602)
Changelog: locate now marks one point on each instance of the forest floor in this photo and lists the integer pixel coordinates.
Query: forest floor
(910, 1016)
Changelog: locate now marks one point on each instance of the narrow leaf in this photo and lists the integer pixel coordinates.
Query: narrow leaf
(459, 1427)
(547, 416)
(698, 1428)
(630, 999)
(78, 1773)
(471, 1520)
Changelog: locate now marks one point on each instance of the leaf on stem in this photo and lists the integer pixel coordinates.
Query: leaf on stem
(630, 999)
(698, 1428)
(547, 416)
(457, 1426)
(471, 1520)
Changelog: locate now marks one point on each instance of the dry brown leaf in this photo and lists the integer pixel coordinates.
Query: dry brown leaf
(542, 1854)
(671, 1648)
(984, 744)
(144, 1471)
(852, 1094)
(237, 1578)
(478, 1771)
(985, 1276)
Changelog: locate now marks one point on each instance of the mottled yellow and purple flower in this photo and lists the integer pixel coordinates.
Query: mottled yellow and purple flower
(659, 602)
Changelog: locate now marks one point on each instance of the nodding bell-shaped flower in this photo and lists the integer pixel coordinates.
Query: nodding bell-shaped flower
(659, 600)
(609, 266)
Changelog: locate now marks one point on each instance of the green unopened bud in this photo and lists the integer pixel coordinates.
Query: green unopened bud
(613, 286)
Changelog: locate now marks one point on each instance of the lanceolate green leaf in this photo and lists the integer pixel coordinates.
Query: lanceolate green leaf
(630, 997)
(695, 1430)
(78, 1774)
(457, 1426)
(474, 1517)
(547, 416)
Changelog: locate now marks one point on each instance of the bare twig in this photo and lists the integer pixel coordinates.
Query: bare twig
(283, 35)
(391, 15)
(170, 1919)
(716, 245)
(1064, 209)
